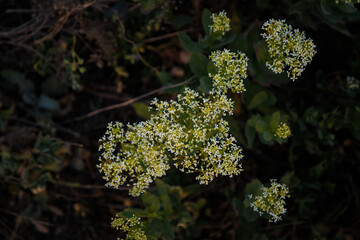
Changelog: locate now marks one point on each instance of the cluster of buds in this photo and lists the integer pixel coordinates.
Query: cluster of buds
(287, 48)
(271, 200)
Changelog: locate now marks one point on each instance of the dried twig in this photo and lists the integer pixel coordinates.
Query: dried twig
(49, 121)
(135, 47)
(123, 104)
(166, 36)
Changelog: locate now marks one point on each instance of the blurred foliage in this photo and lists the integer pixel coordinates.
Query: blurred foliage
(63, 59)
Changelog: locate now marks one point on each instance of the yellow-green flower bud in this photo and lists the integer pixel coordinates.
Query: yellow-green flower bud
(283, 131)
(221, 23)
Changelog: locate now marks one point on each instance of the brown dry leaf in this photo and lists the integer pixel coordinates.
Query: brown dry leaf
(347, 142)
(120, 86)
(177, 72)
(120, 71)
(127, 203)
(237, 107)
(40, 227)
(103, 36)
(184, 57)
(85, 154)
(37, 190)
(55, 210)
(96, 58)
(78, 207)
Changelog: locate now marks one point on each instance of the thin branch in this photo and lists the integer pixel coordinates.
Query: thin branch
(26, 217)
(166, 36)
(86, 186)
(22, 45)
(49, 121)
(21, 11)
(63, 141)
(136, 48)
(158, 38)
(123, 104)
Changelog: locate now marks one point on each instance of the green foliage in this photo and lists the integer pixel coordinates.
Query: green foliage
(49, 188)
(165, 212)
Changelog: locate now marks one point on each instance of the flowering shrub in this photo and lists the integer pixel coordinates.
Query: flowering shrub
(191, 132)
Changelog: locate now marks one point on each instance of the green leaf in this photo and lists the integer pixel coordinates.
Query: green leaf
(142, 110)
(19, 80)
(198, 64)
(290, 179)
(262, 3)
(267, 136)
(29, 98)
(250, 135)
(164, 77)
(239, 44)
(250, 215)
(211, 68)
(168, 230)
(179, 21)
(48, 103)
(206, 20)
(129, 212)
(151, 202)
(261, 126)
(205, 84)
(153, 228)
(325, 8)
(274, 121)
(347, 8)
(261, 51)
(189, 44)
(162, 189)
(4, 114)
(257, 100)
(225, 42)
(253, 187)
(147, 4)
(238, 206)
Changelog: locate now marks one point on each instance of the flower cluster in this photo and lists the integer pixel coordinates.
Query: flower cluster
(230, 70)
(132, 226)
(352, 83)
(287, 48)
(283, 131)
(348, 1)
(271, 200)
(191, 131)
(221, 23)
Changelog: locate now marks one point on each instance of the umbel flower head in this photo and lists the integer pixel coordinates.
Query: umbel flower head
(283, 131)
(287, 48)
(221, 23)
(191, 132)
(271, 200)
(132, 226)
(230, 70)
(348, 1)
